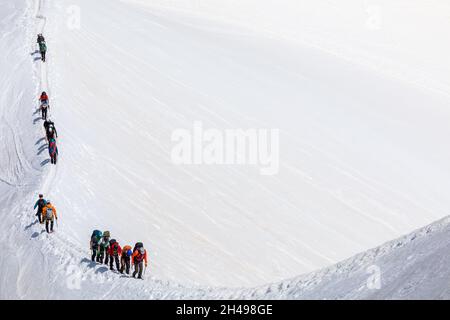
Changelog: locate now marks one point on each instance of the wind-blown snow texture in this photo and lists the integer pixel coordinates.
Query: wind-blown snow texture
(363, 113)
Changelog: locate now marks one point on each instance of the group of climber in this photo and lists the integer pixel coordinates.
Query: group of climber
(107, 250)
(49, 126)
(46, 213)
(42, 46)
(44, 106)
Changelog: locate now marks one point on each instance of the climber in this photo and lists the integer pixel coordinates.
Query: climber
(138, 258)
(43, 50)
(114, 252)
(125, 259)
(53, 150)
(94, 244)
(103, 248)
(40, 204)
(49, 215)
(44, 110)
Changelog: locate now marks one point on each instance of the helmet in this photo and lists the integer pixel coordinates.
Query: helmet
(44, 93)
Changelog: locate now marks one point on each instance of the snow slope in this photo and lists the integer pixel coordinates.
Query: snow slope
(414, 266)
(361, 156)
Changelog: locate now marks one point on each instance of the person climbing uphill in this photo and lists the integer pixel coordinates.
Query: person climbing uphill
(44, 110)
(40, 204)
(49, 215)
(43, 50)
(44, 98)
(53, 150)
(125, 259)
(138, 258)
(40, 38)
(95, 243)
(44, 104)
(49, 124)
(103, 248)
(114, 252)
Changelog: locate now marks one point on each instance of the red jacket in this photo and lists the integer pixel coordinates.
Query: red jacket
(113, 247)
(44, 97)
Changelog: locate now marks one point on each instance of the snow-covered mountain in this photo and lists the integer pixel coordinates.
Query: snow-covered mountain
(360, 101)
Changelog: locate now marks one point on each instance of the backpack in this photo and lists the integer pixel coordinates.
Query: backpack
(126, 251)
(97, 233)
(95, 238)
(49, 214)
(115, 248)
(41, 203)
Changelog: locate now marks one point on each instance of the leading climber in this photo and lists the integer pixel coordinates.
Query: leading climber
(40, 204)
(138, 258)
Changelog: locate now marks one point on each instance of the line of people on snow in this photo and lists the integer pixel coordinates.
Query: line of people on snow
(46, 213)
(49, 125)
(104, 249)
(107, 250)
(50, 130)
(42, 46)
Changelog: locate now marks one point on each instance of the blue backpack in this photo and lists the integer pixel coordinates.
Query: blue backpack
(96, 236)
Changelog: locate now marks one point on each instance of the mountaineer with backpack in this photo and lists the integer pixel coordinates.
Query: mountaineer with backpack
(138, 258)
(49, 215)
(44, 110)
(125, 259)
(53, 150)
(40, 204)
(44, 101)
(50, 130)
(103, 248)
(114, 252)
(43, 50)
(95, 243)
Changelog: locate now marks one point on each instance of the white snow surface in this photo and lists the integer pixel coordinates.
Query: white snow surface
(363, 110)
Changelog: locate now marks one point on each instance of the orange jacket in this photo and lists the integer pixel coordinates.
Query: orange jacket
(139, 257)
(44, 211)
